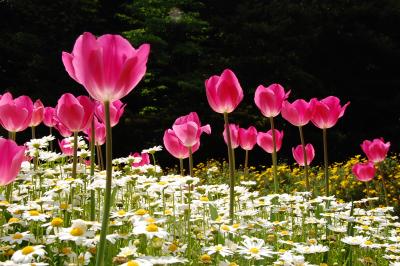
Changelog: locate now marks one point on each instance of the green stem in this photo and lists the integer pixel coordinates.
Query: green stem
(303, 145)
(274, 156)
(326, 173)
(33, 130)
(92, 156)
(51, 142)
(75, 158)
(181, 166)
(189, 202)
(12, 135)
(385, 191)
(107, 196)
(231, 170)
(246, 162)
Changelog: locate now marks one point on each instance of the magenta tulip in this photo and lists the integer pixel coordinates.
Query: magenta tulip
(15, 114)
(224, 92)
(327, 111)
(99, 132)
(116, 110)
(75, 113)
(145, 159)
(175, 147)
(364, 171)
(270, 99)
(234, 130)
(247, 138)
(299, 156)
(65, 132)
(188, 129)
(11, 158)
(375, 150)
(37, 114)
(66, 147)
(49, 117)
(108, 67)
(298, 113)
(264, 140)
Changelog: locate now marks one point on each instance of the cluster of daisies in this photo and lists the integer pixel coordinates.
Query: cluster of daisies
(169, 219)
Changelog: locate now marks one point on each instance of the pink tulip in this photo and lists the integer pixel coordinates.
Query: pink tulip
(99, 132)
(145, 159)
(364, 171)
(247, 138)
(224, 92)
(116, 110)
(327, 111)
(11, 158)
(37, 114)
(175, 147)
(375, 150)
(188, 129)
(65, 132)
(298, 154)
(108, 67)
(75, 113)
(15, 114)
(270, 99)
(234, 130)
(298, 113)
(49, 117)
(264, 140)
(66, 147)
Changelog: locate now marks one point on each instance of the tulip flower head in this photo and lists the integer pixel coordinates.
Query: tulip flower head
(327, 111)
(66, 147)
(15, 114)
(175, 147)
(65, 132)
(264, 140)
(247, 138)
(188, 129)
(108, 67)
(99, 132)
(37, 114)
(75, 113)
(299, 156)
(270, 99)
(224, 92)
(364, 171)
(144, 159)
(11, 158)
(376, 150)
(116, 110)
(234, 130)
(49, 117)
(298, 113)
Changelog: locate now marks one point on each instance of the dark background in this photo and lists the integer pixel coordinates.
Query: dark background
(350, 49)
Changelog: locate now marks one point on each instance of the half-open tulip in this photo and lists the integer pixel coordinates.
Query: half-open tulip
(75, 113)
(37, 114)
(116, 110)
(247, 138)
(298, 113)
(376, 150)
(144, 159)
(364, 171)
(49, 117)
(234, 130)
(270, 99)
(264, 140)
(175, 147)
(108, 67)
(188, 129)
(224, 92)
(66, 147)
(65, 132)
(15, 114)
(11, 157)
(99, 132)
(299, 156)
(327, 112)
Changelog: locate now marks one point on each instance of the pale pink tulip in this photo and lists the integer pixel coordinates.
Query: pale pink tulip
(376, 150)
(299, 156)
(66, 147)
(264, 140)
(99, 132)
(175, 147)
(49, 117)
(327, 111)
(75, 113)
(188, 129)
(108, 67)
(11, 158)
(116, 110)
(37, 114)
(224, 92)
(247, 138)
(234, 130)
(270, 99)
(15, 114)
(364, 171)
(298, 113)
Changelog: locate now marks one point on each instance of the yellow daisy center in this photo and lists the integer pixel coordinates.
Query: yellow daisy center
(76, 231)
(254, 250)
(152, 228)
(56, 222)
(17, 236)
(141, 212)
(34, 213)
(13, 220)
(172, 247)
(204, 198)
(27, 250)
(205, 258)
(121, 212)
(150, 220)
(225, 227)
(132, 263)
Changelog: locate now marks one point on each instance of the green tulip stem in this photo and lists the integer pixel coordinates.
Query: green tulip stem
(326, 172)
(303, 145)
(274, 156)
(92, 165)
(231, 170)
